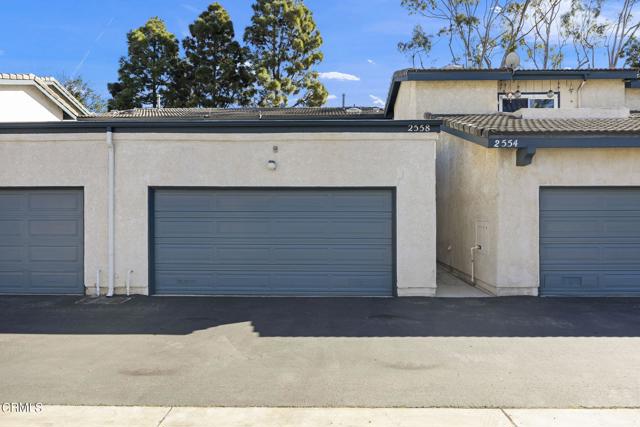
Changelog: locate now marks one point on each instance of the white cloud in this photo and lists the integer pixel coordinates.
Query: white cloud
(377, 101)
(336, 75)
(330, 97)
(371, 61)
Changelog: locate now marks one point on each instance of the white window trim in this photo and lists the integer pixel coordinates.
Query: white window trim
(529, 95)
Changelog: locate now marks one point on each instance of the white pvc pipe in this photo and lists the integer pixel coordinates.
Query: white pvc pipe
(473, 263)
(111, 183)
(98, 282)
(129, 273)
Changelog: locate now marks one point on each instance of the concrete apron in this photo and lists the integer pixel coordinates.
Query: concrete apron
(99, 416)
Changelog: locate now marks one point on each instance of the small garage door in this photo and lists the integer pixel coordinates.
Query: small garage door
(41, 241)
(590, 241)
(273, 242)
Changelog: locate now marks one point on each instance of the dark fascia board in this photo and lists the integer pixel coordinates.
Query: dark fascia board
(499, 74)
(527, 144)
(224, 126)
(552, 140)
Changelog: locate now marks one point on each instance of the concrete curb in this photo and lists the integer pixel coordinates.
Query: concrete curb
(103, 416)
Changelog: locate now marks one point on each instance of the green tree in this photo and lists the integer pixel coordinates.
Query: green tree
(285, 44)
(147, 75)
(631, 53)
(81, 90)
(215, 62)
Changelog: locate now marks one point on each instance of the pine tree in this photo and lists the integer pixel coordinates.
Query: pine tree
(147, 74)
(285, 44)
(216, 63)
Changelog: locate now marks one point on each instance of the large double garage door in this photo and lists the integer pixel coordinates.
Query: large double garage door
(294, 242)
(590, 241)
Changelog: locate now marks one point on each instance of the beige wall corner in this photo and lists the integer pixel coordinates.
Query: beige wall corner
(417, 292)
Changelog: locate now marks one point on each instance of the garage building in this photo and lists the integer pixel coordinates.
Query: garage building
(268, 202)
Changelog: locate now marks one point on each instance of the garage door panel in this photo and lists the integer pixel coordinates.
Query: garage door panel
(590, 241)
(41, 241)
(61, 227)
(274, 242)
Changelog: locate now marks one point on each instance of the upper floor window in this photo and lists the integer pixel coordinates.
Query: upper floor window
(509, 104)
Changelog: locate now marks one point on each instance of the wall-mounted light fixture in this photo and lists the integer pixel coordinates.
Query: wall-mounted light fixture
(272, 165)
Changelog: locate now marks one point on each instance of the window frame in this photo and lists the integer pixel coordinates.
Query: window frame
(531, 95)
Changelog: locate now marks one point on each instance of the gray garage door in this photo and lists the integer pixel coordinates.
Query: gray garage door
(41, 241)
(590, 241)
(273, 242)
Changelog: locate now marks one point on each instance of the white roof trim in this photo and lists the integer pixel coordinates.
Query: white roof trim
(68, 103)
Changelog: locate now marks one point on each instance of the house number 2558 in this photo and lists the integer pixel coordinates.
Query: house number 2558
(419, 128)
(505, 143)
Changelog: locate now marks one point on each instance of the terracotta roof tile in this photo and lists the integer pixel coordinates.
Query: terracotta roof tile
(497, 124)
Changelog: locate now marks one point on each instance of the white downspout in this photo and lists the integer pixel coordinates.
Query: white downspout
(111, 213)
(579, 93)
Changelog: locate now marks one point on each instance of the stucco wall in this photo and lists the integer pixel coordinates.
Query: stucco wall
(21, 103)
(480, 184)
(304, 160)
(632, 99)
(467, 207)
(518, 258)
(405, 161)
(481, 97)
(72, 160)
(445, 97)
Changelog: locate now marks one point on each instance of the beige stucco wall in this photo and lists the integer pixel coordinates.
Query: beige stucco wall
(481, 184)
(445, 97)
(518, 260)
(481, 97)
(632, 99)
(22, 103)
(404, 161)
(467, 207)
(70, 160)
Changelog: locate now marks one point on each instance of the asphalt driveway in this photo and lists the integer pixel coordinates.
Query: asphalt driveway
(365, 352)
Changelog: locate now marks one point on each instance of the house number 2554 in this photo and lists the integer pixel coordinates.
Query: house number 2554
(505, 143)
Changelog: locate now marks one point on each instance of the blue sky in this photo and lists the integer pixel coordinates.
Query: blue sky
(88, 37)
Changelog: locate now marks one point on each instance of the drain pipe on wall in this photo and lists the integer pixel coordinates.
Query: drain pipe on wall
(111, 183)
(473, 262)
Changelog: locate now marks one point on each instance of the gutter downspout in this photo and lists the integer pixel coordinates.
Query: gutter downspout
(111, 182)
(579, 91)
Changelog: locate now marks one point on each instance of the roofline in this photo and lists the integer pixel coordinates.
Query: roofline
(498, 74)
(39, 84)
(528, 143)
(223, 126)
(79, 105)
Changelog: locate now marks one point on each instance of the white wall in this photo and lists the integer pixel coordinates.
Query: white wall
(22, 103)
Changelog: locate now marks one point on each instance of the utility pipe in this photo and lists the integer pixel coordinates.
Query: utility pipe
(111, 183)
(98, 282)
(473, 262)
(129, 273)
(579, 92)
